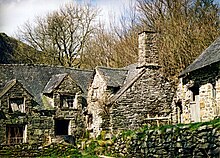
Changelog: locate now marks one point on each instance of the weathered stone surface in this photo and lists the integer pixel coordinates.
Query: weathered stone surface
(189, 143)
(37, 124)
(198, 95)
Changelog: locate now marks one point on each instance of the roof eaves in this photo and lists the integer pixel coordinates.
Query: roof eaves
(7, 87)
(208, 57)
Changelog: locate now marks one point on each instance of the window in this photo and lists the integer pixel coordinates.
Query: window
(67, 101)
(214, 93)
(94, 96)
(113, 89)
(195, 92)
(62, 127)
(16, 104)
(15, 134)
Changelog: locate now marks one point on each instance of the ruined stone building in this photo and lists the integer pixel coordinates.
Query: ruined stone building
(198, 94)
(41, 103)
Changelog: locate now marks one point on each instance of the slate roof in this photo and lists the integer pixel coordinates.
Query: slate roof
(114, 77)
(7, 86)
(34, 78)
(209, 56)
(128, 83)
(132, 71)
(121, 77)
(54, 82)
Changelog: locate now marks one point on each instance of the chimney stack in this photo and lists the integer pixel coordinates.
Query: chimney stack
(147, 49)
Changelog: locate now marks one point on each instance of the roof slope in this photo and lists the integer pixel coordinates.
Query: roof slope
(209, 56)
(113, 76)
(128, 83)
(54, 82)
(7, 86)
(35, 77)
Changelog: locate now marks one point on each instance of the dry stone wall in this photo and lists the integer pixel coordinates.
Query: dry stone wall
(175, 141)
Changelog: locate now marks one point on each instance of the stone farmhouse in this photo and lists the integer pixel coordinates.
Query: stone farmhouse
(43, 104)
(198, 94)
(40, 103)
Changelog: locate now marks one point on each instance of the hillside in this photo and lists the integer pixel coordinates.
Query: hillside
(14, 51)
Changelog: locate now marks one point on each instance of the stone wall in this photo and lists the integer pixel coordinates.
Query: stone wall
(39, 120)
(194, 140)
(151, 95)
(96, 94)
(18, 118)
(208, 104)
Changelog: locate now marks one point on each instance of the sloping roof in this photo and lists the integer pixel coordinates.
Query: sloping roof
(54, 82)
(127, 85)
(7, 86)
(209, 56)
(132, 72)
(35, 77)
(114, 77)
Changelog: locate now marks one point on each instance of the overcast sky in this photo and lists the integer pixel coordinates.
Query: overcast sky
(14, 13)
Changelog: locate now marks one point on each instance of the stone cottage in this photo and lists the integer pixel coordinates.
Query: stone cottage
(41, 103)
(198, 94)
(126, 98)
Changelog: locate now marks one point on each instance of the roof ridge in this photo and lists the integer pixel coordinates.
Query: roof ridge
(111, 68)
(45, 65)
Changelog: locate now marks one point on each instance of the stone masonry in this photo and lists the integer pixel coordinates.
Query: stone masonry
(143, 93)
(207, 82)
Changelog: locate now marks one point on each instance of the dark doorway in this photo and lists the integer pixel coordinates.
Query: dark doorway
(61, 127)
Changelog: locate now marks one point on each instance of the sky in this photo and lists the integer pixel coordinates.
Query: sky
(14, 13)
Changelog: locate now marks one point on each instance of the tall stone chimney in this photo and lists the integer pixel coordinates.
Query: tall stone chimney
(148, 53)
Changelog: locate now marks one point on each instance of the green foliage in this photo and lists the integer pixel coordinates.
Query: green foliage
(127, 133)
(214, 123)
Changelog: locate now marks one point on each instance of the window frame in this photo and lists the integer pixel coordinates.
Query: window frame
(12, 129)
(67, 99)
(12, 100)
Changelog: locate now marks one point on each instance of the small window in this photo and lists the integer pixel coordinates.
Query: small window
(195, 91)
(113, 89)
(214, 93)
(16, 104)
(67, 101)
(94, 94)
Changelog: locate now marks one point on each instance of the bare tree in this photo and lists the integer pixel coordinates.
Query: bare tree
(60, 37)
(117, 46)
(186, 28)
